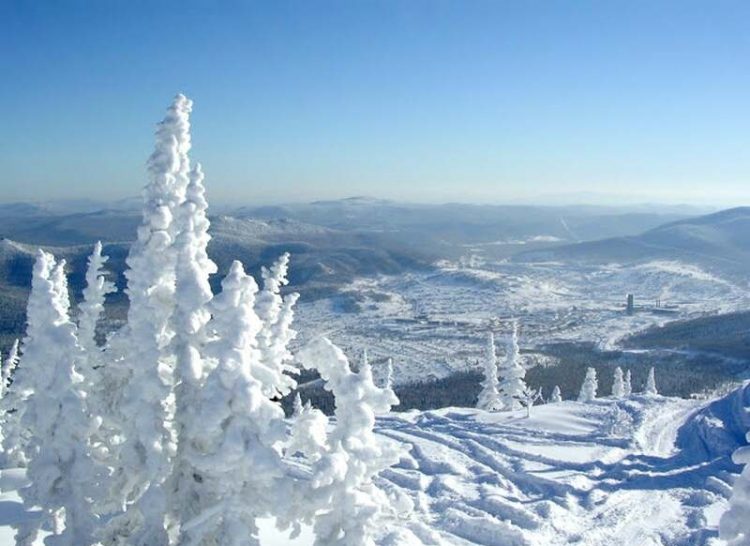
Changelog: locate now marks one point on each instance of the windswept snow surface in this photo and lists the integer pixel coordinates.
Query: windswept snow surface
(637, 472)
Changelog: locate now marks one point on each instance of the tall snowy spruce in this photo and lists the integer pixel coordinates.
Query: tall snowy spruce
(63, 476)
(512, 373)
(146, 403)
(618, 384)
(489, 396)
(589, 386)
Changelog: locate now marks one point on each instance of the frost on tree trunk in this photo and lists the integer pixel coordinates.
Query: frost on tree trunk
(618, 384)
(512, 374)
(343, 493)
(589, 387)
(489, 396)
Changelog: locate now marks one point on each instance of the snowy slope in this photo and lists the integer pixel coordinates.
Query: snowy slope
(637, 472)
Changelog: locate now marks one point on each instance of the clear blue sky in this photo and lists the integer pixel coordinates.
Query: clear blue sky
(422, 100)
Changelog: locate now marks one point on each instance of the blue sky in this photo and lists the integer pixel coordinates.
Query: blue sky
(464, 100)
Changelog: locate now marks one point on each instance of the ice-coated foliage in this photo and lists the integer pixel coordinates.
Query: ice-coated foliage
(589, 387)
(650, 388)
(15, 435)
(344, 496)
(618, 384)
(556, 395)
(63, 476)
(512, 373)
(627, 385)
(489, 396)
(308, 435)
(734, 526)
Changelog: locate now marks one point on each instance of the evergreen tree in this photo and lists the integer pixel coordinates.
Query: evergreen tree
(63, 476)
(556, 396)
(512, 374)
(589, 387)
(489, 397)
(618, 385)
(627, 385)
(650, 384)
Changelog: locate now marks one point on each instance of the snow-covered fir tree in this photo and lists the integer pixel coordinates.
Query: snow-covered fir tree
(589, 386)
(63, 477)
(145, 404)
(556, 395)
(618, 384)
(388, 374)
(308, 435)
(627, 385)
(512, 373)
(8, 368)
(346, 500)
(15, 435)
(233, 449)
(92, 306)
(489, 396)
(650, 388)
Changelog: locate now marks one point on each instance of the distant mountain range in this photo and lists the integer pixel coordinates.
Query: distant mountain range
(719, 242)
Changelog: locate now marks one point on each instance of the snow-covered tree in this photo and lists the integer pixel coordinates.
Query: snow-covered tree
(589, 387)
(528, 397)
(512, 373)
(627, 386)
(63, 476)
(346, 501)
(233, 452)
(556, 396)
(734, 526)
(489, 396)
(92, 305)
(15, 435)
(650, 383)
(388, 375)
(191, 315)
(618, 385)
(276, 314)
(145, 400)
(308, 434)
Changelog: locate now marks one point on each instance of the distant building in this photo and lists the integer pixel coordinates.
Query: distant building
(631, 304)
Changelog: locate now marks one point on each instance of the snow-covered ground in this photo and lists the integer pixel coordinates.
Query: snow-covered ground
(631, 472)
(434, 323)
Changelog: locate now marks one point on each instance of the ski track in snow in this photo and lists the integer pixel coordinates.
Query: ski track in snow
(597, 474)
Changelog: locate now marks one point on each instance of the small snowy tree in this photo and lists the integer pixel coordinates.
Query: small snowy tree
(309, 434)
(650, 384)
(512, 373)
(63, 476)
(627, 386)
(589, 387)
(618, 385)
(344, 498)
(529, 397)
(92, 306)
(276, 314)
(556, 396)
(489, 396)
(388, 375)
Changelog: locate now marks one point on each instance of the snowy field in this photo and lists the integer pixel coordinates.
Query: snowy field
(628, 472)
(434, 323)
